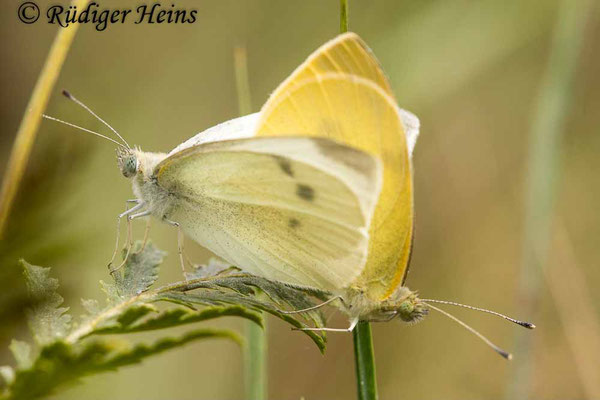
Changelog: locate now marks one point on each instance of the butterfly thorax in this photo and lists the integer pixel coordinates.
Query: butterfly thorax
(403, 303)
(139, 166)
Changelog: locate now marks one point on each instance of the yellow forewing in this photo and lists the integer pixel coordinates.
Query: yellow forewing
(346, 54)
(340, 92)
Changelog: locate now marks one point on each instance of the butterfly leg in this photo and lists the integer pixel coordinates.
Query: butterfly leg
(180, 242)
(348, 329)
(129, 236)
(313, 307)
(145, 240)
(135, 208)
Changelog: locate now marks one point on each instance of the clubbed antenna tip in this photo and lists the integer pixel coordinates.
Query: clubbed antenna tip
(67, 94)
(527, 325)
(524, 324)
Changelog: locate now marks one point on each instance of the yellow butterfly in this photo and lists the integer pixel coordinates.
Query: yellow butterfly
(341, 92)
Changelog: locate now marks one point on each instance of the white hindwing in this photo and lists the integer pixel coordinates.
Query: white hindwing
(237, 128)
(292, 209)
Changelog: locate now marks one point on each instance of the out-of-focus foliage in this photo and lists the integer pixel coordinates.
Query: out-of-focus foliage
(39, 205)
(66, 351)
(48, 321)
(63, 354)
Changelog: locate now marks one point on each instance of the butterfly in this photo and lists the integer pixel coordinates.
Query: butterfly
(315, 190)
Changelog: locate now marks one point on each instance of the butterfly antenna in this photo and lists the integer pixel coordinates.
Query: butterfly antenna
(83, 129)
(487, 341)
(71, 97)
(524, 324)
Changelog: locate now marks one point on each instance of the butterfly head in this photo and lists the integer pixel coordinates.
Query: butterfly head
(411, 309)
(127, 161)
(403, 304)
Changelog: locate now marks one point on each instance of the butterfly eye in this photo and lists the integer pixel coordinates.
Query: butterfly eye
(405, 310)
(129, 167)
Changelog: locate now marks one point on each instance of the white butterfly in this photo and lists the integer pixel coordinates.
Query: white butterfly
(292, 209)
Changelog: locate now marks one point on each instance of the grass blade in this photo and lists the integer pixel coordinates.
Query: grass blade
(343, 16)
(33, 115)
(255, 362)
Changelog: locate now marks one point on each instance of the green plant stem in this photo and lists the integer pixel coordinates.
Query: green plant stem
(255, 363)
(255, 356)
(364, 359)
(33, 116)
(548, 126)
(343, 16)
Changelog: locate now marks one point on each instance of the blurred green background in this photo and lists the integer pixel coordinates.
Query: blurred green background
(471, 71)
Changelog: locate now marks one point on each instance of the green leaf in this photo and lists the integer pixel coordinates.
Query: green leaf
(253, 292)
(140, 270)
(141, 351)
(62, 363)
(181, 316)
(47, 320)
(249, 289)
(121, 319)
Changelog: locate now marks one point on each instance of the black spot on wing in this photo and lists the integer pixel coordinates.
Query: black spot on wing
(293, 223)
(285, 165)
(305, 192)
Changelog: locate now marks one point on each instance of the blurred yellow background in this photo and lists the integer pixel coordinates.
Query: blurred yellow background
(470, 70)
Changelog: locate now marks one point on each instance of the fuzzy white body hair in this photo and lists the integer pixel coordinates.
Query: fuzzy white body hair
(156, 199)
